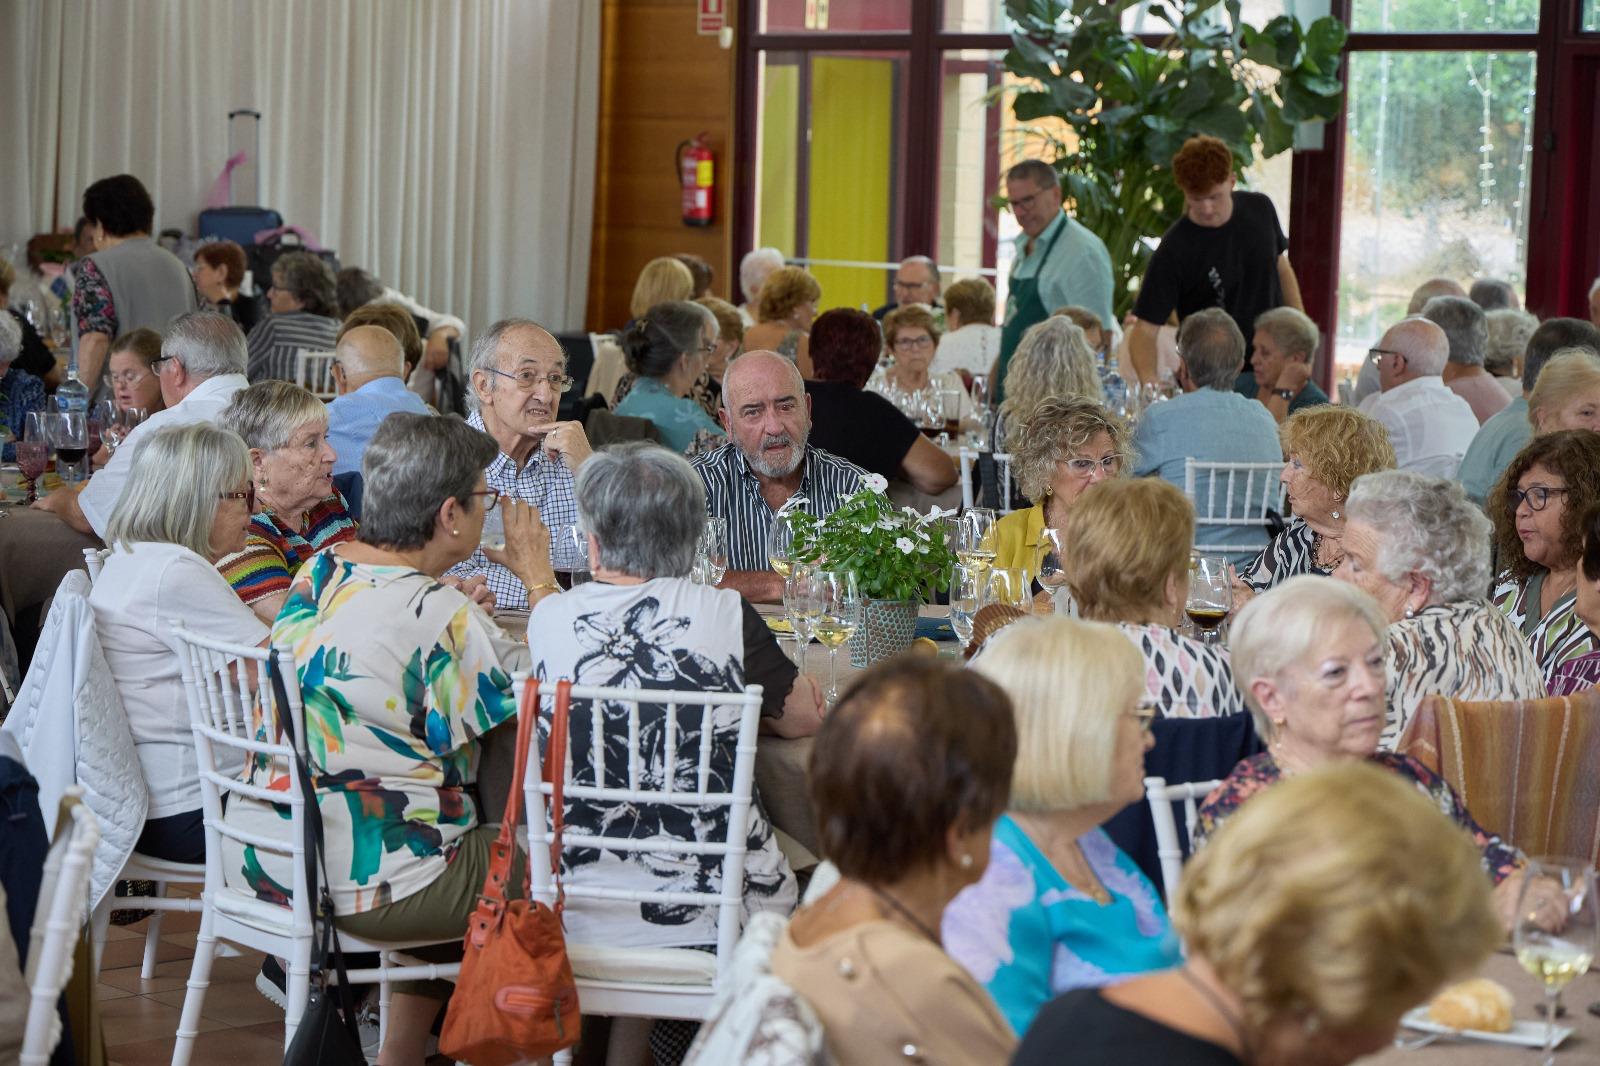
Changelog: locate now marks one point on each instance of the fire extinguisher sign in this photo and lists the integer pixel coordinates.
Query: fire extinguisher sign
(712, 16)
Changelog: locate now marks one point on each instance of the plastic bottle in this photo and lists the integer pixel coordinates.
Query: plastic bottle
(73, 394)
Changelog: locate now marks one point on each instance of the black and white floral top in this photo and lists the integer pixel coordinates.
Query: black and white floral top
(666, 633)
(1185, 678)
(1557, 637)
(1291, 553)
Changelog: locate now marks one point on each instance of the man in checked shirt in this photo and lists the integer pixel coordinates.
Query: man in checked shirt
(518, 375)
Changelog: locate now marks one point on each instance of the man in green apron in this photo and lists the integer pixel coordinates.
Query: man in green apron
(1058, 262)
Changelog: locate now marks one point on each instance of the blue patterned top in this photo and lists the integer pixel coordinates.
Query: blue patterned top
(1028, 936)
(679, 418)
(21, 393)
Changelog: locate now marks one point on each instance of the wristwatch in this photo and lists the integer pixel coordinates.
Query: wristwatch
(1285, 394)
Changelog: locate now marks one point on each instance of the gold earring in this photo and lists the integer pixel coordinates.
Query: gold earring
(455, 532)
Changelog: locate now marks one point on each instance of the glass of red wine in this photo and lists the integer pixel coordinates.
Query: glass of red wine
(1210, 595)
(69, 433)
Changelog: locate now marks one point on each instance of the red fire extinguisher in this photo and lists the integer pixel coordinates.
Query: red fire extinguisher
(695, 176)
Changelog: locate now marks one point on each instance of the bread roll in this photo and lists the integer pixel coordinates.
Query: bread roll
(1479, 1004)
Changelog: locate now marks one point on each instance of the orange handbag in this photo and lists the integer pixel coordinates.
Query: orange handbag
(515, 998)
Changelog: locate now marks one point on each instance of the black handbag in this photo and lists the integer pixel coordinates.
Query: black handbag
(327, 1033)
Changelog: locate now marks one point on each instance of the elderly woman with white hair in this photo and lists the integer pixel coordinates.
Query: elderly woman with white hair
(1421, 549)
(1060, 906)
(1309, 655)
(1052, 361)
(161, 573)
(298, 511)
(1567, 394)
(20, 392)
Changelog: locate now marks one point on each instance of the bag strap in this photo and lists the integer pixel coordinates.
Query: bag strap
(555, 772)
(326, 945)
(505, 845)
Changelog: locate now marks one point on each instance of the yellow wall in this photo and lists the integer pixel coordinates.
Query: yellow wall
(852, 131)
(780, 116)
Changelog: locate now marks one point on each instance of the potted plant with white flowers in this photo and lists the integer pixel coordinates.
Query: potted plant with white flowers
(900, 558)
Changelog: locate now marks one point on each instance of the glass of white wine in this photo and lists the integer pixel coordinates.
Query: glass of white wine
(975, 538)
(802, 602)
(966, 596)
(1558, 929)
(838, 616)
(780, 537)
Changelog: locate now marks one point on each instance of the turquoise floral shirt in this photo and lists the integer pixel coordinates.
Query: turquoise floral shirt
(1028, 936)
(399, 679)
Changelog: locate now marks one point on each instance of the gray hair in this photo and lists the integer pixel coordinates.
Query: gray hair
(1289, 623)
(1212, 348)
(924, 261)
(663, 335)
(412, 465)
(645, 507)
(1423, 343)
(1556, 335)
(754, 268)
(1052, 361)
(1509, 332)
(205, 459)
(1427, 525)
(486, 349)
(1464, 325)
(208, 344)
(308, 279)
(10, 339)
(1291, 329)
(1492, 294)
(266, 414)
(1037, 171)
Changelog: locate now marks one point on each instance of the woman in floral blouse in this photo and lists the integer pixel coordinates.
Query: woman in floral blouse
(1537, 508)
(20, 392)
(1310, 654)
(401, 677)
(1127, 561)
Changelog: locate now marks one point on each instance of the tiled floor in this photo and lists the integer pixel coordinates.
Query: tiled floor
(140, 1017)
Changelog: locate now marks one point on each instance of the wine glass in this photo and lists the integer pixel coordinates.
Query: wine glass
(69, 435)
(101, 415)
(838, 615)
(572, 554)
(122, 424)
(967, 591)
(1052, 575)
(780, 537)
(1558, 929)
(1011, 586)
(801, 602)
(1210, 594)
(32, 457)
(714, 549)
(975, 538)
(980, 391)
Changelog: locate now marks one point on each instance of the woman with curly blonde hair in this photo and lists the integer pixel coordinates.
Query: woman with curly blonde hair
(1328, 448)
(785, 309)
(1053, 360)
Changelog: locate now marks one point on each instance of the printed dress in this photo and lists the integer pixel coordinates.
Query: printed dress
(1500, 859)
(1558, 637)
(399, 679)
(1027, 935)
(666, 633)
(1466, 651)
(1291, 553)
(1186, 678)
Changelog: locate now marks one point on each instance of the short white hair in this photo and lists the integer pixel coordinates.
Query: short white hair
(1287, 624)
(754, 268)
(205, 459)
(10, 339)
(1425, 524)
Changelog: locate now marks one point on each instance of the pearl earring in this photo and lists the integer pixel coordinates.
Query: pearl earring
(1335, 514)
(455, 532)
(966, 862)
(1411, 612)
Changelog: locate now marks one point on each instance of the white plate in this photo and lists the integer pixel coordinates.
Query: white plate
(1521, 1034)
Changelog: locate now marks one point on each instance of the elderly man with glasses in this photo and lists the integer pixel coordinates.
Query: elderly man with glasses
(916, 281)
(1429, 426)
(519, 374)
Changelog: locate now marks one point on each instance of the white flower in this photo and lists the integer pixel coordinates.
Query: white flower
(936, 512)
(905, 545)
(922, 549)
(875, 482)
(922, 534)
(868, 528)
(884, 523)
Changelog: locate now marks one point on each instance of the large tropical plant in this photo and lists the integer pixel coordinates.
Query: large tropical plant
(1125, 107)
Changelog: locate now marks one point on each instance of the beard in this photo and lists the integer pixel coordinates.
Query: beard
(781, 466)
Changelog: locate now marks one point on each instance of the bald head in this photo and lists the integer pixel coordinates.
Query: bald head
(1422, 350)
(367, 353)
(1431, 288)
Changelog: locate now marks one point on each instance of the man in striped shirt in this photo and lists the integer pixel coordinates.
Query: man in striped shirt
(519, 372)
(766, 461)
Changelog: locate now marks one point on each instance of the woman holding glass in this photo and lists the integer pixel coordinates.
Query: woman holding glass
(1128, 562)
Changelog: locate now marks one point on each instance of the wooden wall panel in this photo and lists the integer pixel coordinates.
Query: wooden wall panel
(660, 83)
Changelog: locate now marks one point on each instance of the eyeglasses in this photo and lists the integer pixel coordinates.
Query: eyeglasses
(528, 380)
(1026, 201)
(1087, 467)
(1144, 712)
(909, 343)
(159, 362)
(1536, 497)
(488, 504)
(131, 377)
(248, 496)
(1375, 355)
(909, 285)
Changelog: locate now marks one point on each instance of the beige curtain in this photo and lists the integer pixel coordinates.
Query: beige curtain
(445, 145)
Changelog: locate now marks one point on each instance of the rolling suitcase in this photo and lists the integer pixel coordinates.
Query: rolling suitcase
(236, 223)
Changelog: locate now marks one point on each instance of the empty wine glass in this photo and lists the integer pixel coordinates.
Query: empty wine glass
(714, 549)
(32, 457)
(975, 538)
(1558, 929)
(801, 602)
(118, 429)
(967, 591)
(1010, 585)
(838, 615)
(1210, 594)
(980, 391)
(1052, 575)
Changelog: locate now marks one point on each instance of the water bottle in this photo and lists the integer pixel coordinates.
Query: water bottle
(73, 395)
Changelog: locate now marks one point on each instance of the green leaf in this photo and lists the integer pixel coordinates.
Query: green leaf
(1032, 106)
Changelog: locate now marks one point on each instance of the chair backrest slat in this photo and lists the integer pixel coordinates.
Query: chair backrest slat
(57, 921)
(1262, 494)
(1169, 848)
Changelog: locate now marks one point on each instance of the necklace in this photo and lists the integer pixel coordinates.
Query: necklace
(1214, 1001)
(905, 912)
(1096, 891)
(1318, 544)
